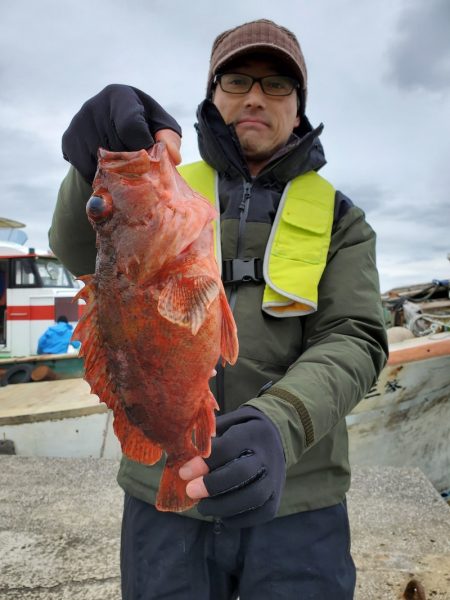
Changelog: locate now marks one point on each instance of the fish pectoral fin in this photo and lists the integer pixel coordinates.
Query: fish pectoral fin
(229, 345)
(185, 300)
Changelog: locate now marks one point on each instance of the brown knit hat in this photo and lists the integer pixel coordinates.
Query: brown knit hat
(259, 36)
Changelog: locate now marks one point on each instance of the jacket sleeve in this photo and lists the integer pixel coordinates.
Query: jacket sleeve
(71, 236)
(344, 344)
(41, 341)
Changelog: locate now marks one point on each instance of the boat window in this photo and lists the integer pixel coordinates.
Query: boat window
(41, 272)
(52, 273)
(24, 274)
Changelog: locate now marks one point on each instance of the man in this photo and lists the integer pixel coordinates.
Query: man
(299, 268)
(57, 338)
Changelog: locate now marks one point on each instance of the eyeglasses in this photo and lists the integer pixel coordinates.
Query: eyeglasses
(272, 85)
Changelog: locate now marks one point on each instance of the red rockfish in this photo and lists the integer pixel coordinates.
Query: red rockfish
(157, 318)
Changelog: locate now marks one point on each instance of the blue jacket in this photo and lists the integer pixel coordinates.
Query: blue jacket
(56, 339)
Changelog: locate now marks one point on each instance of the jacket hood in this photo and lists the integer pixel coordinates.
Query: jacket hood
(219, 146)
(61, 328)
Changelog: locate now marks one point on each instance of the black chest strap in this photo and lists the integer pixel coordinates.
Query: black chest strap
(242, 270)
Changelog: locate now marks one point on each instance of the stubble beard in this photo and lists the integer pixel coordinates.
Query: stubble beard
(255, 152)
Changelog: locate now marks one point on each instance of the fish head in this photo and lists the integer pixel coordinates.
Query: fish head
(123, 210)
(142, 211)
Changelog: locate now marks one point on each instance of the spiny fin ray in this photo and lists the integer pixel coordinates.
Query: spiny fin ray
(185, 300)
(92, 350)
(229, 345)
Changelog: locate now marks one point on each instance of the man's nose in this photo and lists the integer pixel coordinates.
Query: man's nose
(255, 95)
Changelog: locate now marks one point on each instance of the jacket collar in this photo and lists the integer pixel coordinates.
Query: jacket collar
(220, 148)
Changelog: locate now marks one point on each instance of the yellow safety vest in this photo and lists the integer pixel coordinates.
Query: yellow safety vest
(297, 249)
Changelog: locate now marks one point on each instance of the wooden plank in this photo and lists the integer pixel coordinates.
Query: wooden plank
(43, 400)
(419, 349)
(12, 360)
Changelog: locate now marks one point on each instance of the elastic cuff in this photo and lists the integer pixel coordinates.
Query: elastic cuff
(302, 411)
(286, 418)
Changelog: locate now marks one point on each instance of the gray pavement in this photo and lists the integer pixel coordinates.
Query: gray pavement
(60, 528)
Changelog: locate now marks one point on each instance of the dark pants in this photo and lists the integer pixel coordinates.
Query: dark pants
(305, 556)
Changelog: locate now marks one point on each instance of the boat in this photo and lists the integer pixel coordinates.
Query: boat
(35, 289)
(38, 367)
(404, 420)
(59, 419)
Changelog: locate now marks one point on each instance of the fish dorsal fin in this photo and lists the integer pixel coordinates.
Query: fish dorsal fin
(185, 300)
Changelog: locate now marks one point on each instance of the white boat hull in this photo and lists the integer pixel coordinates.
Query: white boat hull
(57, 419)
(405, 419)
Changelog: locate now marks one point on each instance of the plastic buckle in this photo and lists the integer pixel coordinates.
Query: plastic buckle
(242, 270)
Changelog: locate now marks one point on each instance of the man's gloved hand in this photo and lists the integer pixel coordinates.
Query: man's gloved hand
(247, 470)
(119, 118)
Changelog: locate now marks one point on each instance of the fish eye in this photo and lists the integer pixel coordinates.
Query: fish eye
(98, 208)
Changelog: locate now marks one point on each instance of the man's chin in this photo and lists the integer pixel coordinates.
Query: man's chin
(257, 155)
(253, 150)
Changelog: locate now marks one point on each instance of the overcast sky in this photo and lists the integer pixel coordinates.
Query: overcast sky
(379, 80)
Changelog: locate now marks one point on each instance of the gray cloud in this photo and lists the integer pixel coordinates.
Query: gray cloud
(33, 204)
(369, 197)
(412, 231)
(388, 151)
(420, 53)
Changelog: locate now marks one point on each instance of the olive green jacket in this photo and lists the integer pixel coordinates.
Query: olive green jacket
(320, 365)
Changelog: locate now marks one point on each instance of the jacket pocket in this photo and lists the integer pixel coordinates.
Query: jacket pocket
(302, 236)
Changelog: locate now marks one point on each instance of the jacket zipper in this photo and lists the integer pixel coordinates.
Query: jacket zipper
(243, 214)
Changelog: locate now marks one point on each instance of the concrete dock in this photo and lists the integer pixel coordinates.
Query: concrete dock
(60, 529)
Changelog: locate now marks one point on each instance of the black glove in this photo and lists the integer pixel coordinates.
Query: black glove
(247, 469)
(119, 118)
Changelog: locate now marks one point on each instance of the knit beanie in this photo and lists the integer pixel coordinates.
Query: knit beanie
(259, 36)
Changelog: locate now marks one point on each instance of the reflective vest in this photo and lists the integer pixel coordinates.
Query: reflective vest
(297, 249)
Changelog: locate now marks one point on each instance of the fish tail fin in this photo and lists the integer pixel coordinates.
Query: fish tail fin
(135, 445)
(205, 425)
(229, 345)
(172, 490)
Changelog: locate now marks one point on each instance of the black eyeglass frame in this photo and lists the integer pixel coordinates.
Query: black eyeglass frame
(295, 84)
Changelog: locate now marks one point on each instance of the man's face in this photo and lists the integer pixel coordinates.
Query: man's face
(263, 123)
